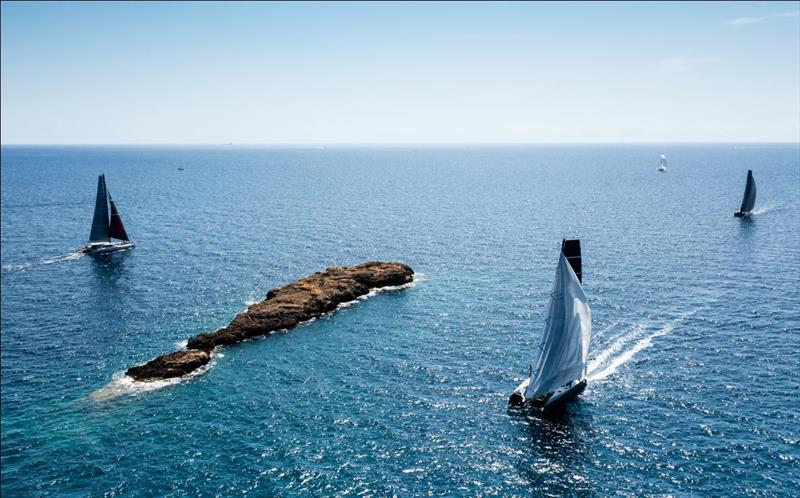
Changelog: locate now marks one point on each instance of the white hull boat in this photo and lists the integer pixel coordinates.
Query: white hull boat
(106, 226)
(559, 374)
(108, 247)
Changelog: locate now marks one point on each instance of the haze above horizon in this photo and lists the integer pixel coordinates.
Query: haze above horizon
(392, 73)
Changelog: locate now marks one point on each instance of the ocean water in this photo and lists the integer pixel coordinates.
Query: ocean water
(696, 319)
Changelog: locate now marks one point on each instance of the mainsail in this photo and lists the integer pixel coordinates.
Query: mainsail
(116, 229)
(749, 199)
(100, 221)
(564, 347)
(663, 162)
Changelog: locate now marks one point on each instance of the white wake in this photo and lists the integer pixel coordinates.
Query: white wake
(603, 369)
(625, 348)
(762, 210)
(46, 261)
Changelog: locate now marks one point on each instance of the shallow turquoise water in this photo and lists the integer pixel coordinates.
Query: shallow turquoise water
(696, 322)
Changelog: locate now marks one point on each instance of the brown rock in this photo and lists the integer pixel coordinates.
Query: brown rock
(170, 365)
(283, 308)
(307, 298)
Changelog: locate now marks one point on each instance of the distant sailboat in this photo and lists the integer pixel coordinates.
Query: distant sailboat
(560, 371)
(105, 227)
(662, 165)
(749, 199)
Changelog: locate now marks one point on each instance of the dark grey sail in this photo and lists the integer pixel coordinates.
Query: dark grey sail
(116, 229)
(100, 220)
(749, 199)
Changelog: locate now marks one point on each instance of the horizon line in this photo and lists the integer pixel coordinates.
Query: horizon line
(382, 144)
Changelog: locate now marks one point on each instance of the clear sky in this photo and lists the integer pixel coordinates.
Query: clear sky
(295, 73)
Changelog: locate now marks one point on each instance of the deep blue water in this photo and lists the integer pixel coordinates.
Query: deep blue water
(696, 319)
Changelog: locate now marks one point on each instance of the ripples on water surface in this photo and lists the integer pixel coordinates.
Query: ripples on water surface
(696, 320)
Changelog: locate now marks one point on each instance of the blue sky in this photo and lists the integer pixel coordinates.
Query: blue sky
(304, 73)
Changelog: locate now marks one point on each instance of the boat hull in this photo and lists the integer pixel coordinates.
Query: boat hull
(551, 403)
(103, 249)
(517, 398)
(562, 397)
(740, 214)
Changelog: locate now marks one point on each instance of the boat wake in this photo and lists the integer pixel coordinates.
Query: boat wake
(625, 339)
(122, 385)
(623, 349)
(762, 210)
(599, 370)
(47, 261)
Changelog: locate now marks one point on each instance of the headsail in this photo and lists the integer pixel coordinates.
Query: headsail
(663, 162)
(749, 199)
(565, 343)
(100, 221)
(116, 229)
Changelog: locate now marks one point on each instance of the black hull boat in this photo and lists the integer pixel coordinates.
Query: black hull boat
(564, 395)
(106, 226)
(749, 198)
(560, 372)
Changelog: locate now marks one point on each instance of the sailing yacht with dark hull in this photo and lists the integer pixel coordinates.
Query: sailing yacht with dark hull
(749, 198)
(106, 226)
(559, 374)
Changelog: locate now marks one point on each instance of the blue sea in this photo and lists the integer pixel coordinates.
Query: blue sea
(696, 322)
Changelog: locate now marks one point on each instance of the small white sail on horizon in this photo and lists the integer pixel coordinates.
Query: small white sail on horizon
(662, 164)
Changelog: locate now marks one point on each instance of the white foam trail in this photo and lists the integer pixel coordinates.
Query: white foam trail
(762, 210)
(122, 385)
(70, 257)
(14, 267)
(618, 344)
(623, 358)
(598, 371)
(49, 261)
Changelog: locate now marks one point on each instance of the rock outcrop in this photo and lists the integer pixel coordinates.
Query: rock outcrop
(283, 308)
(170, 365)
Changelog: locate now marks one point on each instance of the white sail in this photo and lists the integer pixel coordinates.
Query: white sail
(565, 344)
